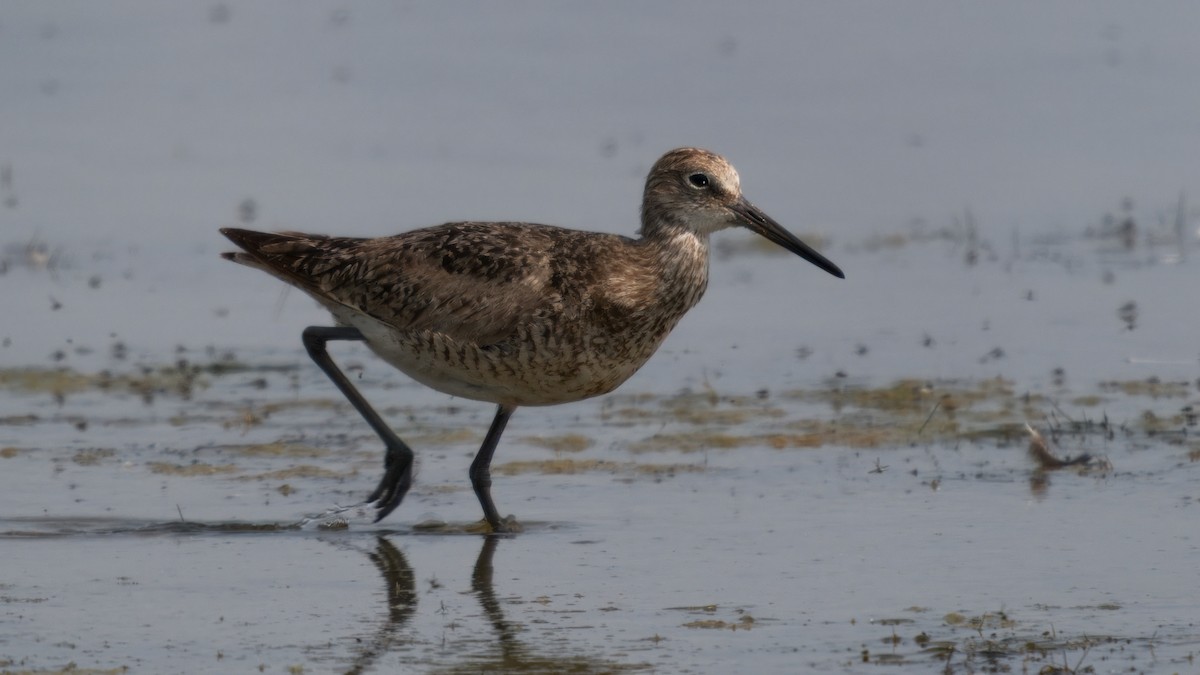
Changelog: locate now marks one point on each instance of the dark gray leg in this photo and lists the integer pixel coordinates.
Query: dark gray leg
(398, 461)
(481, 470)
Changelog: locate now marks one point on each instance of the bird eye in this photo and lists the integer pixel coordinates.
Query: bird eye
(698, 180)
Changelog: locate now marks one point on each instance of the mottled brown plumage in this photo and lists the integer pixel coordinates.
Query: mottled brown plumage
(516, 313)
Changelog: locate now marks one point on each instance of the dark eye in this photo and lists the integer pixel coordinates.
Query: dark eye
(698, 180)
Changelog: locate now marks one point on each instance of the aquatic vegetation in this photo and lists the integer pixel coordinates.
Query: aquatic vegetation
(193, 469)
(1152, 387)
(855, 416)
(571, 466)
(563, 443)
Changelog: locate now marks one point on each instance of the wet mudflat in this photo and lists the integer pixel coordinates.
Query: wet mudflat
(195, 514)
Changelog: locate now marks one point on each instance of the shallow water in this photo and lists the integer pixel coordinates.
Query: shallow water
(155, 516)
(812, 475)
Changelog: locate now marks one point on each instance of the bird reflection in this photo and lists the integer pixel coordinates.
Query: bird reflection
(401, 584)
(506, 653)
(482, 587)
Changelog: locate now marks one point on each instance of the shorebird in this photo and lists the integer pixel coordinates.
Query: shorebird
(515, 314)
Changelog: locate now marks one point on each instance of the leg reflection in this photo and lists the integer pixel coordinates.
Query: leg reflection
(401, 585)
(481, 584)
(515, 648)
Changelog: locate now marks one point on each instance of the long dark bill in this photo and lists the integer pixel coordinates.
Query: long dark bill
(760, 223)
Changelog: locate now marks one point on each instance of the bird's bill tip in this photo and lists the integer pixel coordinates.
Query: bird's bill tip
(762, 224)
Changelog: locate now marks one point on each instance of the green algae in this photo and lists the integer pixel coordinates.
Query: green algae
(562, 443)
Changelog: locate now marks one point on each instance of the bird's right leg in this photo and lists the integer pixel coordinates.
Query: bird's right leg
(398, 461)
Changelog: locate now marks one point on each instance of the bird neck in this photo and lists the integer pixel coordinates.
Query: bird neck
(680, 256)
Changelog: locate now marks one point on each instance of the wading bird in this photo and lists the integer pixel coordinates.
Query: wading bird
(515, 314)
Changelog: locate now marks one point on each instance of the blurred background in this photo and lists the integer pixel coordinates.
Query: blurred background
(130, 131)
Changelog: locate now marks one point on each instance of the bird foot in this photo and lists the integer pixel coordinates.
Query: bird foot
(507, 525)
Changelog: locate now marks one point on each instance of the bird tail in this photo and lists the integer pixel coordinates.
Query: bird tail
(297, 258)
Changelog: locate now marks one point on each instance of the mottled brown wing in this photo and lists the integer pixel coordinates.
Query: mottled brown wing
(472, 281)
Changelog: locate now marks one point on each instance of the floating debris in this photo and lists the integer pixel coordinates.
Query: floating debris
(1039, 451)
